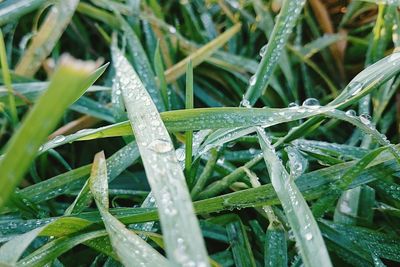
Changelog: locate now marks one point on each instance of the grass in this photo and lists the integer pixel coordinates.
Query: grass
(223, 133)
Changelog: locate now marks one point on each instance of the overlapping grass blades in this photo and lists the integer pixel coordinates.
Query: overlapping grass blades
(71, 79)
(285, 23)
(124, 241)
(47, 36)
(184, 243)
(305, 229)
(51, 220)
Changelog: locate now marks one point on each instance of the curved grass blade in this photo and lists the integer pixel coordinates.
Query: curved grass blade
(286, 20)
(55, 248)
(65, 182)
(308, 236)
(383, 245)
(365, 125)
(348, 177)
(70, 80)
(44, 41)
(312, 185)
(11, 251)
(364, 83)
(123, 240)
(184, 243)
(201, 119)
(12, 10)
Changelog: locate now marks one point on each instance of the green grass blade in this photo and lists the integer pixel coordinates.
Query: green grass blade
(7, 80)
(12, 10)
(362, 84)
(348, 177)
(70, 80)
(55, 248)
(204, 118)
(123, 240)
(159, 68)
(240, 245)
(163, 171)
(286, 20)
(65, 182)
(189, 134)
(308, 236)
(275, 253)
(46, 38)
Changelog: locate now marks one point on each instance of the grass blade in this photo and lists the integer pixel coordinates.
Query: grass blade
(308, 236)
(71, 79)
(123, 240)
(241, 249)
(163, 171)
(44, 41)
(286, 20)
(7, 80)
(12, 10)
(189, 134)
(200, 55)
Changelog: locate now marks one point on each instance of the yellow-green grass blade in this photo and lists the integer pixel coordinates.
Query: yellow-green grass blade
(200, 55)
(46, 38)
(68, 83)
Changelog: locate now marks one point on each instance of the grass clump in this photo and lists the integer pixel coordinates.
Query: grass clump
(223, 133)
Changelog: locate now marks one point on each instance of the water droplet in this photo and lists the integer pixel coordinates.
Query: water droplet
(351, 113)
(308, 236)
(252, 80)
(118, 92)
(58, 139)
(160, 146)
(311, 103)
(354, 88)
(172, 29)
(40, 148)
(365, 118)
(180, 154)
(245, 103)
(293, 105)
(263, 50)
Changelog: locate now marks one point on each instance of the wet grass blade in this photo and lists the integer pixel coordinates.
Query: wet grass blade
(239, 241)
(284, 25)
(12, 10)
(308, 236)
(189, 134)
(275, 253)
(46, 38)
(70, 80)
(163, 170)
(123, 240)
